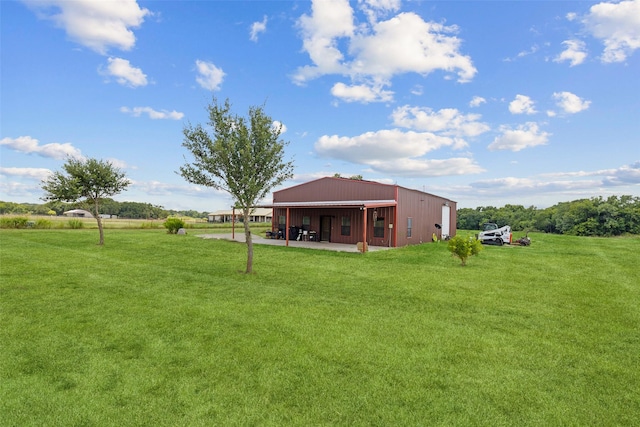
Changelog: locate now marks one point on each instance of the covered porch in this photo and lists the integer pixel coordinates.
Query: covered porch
(338, 222)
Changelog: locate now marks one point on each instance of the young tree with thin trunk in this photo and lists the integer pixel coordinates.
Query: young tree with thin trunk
(88, 181)
(243, 156)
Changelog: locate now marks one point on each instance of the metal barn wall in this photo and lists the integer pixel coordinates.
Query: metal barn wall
(335, 189)
(426, 211)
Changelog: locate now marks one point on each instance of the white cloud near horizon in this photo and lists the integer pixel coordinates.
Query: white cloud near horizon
(125, 73)
(571, 185)
(97, 25)
(524, 136)
(522, 104)
(570, 103)
(209, 76)
(32, 173)
(397, 152)
(410, 167)
(258, 28)
(624, 175)
(618, 26)
(370, 54)
(574, 53)
(29, 145)
(153, 114)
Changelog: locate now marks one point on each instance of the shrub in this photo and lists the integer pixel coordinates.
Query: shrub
(173, 225)
(146, 225)
(75, 224)
(14, 222)
(463, 248)
(42, 224)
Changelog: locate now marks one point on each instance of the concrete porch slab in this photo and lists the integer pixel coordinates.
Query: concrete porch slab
(259, 240)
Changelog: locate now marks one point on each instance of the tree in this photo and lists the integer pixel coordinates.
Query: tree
(88, 181)
(242, 156)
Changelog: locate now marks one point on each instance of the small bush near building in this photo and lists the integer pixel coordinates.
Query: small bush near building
(173, 225)
(463, 248)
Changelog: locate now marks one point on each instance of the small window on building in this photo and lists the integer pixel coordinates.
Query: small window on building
(306, 223)
(282, 220)
(378, 228)
(409, 226)
(346, 226)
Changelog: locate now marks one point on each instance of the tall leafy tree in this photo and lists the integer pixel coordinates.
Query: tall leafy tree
(88, 181)
(243, 156)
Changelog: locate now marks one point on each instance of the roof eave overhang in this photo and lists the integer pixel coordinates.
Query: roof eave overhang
(342, 204)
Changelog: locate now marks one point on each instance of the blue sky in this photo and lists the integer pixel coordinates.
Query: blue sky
(483, 102)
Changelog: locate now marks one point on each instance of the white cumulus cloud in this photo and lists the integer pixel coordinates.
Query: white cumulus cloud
(32, 173)
(209, 76)
(570, 103)
(522, 104)
(279, 125)
(29, 145)
(125, 73)
(618, 26)
(380, 145)
(428, 167)
(574, 53)
(153, 114)
(524, 136)
(97, 25)
(371, 53)
(476, 101)
(361, 93)
(396, 152)
(448, 121)
(257, 28)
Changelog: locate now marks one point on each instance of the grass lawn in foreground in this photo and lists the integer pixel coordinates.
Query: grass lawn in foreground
(162, 330)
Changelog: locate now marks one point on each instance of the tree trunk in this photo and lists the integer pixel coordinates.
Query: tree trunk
(249, 240)
(96, 212)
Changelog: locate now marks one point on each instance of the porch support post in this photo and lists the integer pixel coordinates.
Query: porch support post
(395, 219)
(364, 229)
(233, 223)
(286, 228)
(395, 226)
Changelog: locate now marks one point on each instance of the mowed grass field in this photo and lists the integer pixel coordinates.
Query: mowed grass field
(162, 330)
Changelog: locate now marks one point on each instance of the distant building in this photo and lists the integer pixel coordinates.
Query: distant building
(78, 213)
(349, 211)
(258, 215)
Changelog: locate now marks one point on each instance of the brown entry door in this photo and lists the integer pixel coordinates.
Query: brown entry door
(325, 228)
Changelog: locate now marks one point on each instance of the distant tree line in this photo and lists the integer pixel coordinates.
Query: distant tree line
(597, 216)
(129, 210)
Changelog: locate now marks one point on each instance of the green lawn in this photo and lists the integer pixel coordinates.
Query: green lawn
(161, 330)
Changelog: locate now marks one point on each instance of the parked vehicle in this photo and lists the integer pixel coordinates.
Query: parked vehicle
(492, 235)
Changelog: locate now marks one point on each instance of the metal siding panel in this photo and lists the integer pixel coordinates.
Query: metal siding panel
(426, 211)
